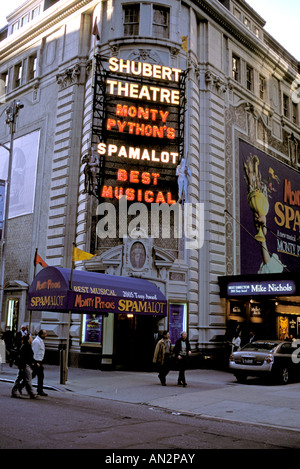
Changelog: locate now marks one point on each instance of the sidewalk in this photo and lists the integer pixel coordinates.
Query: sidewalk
(209, 394)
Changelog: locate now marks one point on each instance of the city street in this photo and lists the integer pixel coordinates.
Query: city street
(82, 414)
(149, 223)
(72, 421)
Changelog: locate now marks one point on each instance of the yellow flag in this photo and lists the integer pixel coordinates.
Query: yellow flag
(185, 43)
(79, 255)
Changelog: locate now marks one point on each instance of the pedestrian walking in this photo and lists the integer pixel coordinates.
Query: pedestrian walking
(18, 343)
(162, 354)
(38, 347)
(19, 336)
(236, 342)
(25, 364)
(182, 351)
(8, 337)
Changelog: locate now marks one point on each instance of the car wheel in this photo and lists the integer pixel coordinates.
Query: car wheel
(241, 377)
(284, 375)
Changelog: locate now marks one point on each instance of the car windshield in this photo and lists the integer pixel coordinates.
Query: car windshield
(261, 346)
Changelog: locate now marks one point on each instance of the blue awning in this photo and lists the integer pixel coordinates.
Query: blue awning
(51, 290)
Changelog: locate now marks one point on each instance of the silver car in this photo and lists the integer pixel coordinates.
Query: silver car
(267, 358)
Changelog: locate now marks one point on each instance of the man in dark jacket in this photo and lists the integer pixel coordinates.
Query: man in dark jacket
(25, 364)
(181, 351)
(19, 336)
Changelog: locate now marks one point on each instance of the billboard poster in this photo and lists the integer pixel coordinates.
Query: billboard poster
(23, 176)
(177, 320)
(91, 329)
(2, 205)
(269, 213)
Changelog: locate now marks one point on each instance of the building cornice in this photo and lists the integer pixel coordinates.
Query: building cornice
(250, 11)
(211, 9)
(15, 42)
(224, 18)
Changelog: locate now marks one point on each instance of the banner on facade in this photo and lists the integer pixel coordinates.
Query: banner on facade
(2, 205)
(269, 213)
(24, 170)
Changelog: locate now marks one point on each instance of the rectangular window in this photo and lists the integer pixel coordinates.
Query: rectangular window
(237, 13)
(262, 87)
(235, 68)
(12, 317)
(35, 12)
(15, 27)
(131, 20)
(32, 67)
(249, 77)
(3, 83)
(18, 75)
(286, 103)
(247, 22)
(161, 17)
(24, 20)
(295, 113)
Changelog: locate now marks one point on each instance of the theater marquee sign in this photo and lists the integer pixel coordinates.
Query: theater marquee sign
(140, 130)
(94, 293)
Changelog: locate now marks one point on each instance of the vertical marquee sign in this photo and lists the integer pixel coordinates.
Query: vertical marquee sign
(138, 128)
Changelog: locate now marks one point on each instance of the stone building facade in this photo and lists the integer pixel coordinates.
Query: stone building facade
(241, 86)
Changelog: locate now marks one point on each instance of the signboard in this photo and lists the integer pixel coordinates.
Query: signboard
(270, 212)
(272, 287)
(94, 293)
(140, 133)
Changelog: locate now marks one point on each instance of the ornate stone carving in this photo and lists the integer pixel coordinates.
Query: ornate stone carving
(183, 174)
(89, 67)
(70, 76)
(145, 55)
(91, 162)
(293, 150)
(215, 83)
(114, 49)
(138, 255)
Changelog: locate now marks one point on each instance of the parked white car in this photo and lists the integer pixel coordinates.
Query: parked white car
(267, 358)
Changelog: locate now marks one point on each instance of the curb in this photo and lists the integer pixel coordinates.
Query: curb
(47, 386)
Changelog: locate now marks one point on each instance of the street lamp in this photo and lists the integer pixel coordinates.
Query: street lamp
(11, 114)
